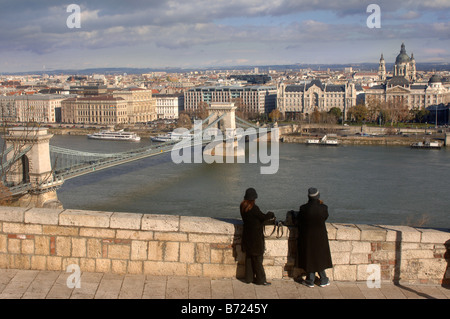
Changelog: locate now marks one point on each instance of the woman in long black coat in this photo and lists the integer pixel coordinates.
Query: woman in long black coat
(313, 247)
(253, 238)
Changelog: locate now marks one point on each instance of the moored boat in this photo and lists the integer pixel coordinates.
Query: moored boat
(427, 145)
(323, 141)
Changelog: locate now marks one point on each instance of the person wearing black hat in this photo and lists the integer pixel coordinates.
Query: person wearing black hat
(313, 250)
(253, 238)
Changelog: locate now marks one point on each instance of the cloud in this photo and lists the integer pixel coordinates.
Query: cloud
(39, 27)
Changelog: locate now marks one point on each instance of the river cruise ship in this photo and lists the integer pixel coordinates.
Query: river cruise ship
(115, 136)
(171, 137)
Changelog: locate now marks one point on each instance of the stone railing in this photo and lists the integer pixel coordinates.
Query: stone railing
(53, 239)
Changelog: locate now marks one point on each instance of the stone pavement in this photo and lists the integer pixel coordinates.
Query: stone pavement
(37, 284)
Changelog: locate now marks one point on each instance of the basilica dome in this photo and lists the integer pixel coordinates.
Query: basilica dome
(402, 57)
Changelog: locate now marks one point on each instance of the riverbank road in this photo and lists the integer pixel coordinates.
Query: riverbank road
(38, 284)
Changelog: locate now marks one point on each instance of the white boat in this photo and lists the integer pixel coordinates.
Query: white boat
(115, 136)
(426, 144)
(323, 141)
(171, 137)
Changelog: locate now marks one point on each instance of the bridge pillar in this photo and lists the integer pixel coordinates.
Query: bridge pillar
(30, 151)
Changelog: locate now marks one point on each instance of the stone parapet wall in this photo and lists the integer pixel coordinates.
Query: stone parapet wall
(53, 239)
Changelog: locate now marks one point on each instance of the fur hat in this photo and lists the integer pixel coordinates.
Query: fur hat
(250, 194)
(313, 193)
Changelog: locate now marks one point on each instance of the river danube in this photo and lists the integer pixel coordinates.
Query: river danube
(389, 185)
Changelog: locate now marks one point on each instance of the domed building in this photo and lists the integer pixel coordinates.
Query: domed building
(405, 66)
(402, 90)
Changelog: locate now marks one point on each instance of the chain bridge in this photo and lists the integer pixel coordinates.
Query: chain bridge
(67, 163)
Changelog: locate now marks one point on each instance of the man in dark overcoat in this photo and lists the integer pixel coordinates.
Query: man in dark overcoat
(313, 250)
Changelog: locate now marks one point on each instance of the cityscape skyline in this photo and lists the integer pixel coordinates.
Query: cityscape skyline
(198, 34)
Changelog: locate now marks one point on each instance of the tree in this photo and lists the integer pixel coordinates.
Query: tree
(358, 112)
(275, 115)
(335, 114)
(184, 121)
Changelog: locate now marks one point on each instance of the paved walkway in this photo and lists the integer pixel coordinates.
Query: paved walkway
(35, 284)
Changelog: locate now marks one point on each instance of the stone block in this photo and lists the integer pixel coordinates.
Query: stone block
(432, 269)
(59, 230)
(38, 262)
(3, 246)
(94, 248)
(347, 232)
(19, 228)
(158, 268)
(42, 245)
(202, 253)
(139, 250)
(277, 247)
(27, 246)
(222, 271)
(12, 214)
(79, 247)
(434, 235)
(417, 254)
(126, 221)
(170, 236)
(63, 246)
(84, 218)
(361, 247)
(155, 250)
(103, 265)
(134, 234)
(340, 258)
(372, 233)
(359, 258)
(187, 252)
(210, 238)
(119, 266)
(273, 272)
(54, 263)
(172, 251)
(340, 245)
(43, 216)
(119, 251)
(208, 225)
(344, 272)
(195, 270)
(160, 222)
(14, 246)
(87, 264)
(135, 267)
(331, 231)
(401, 233)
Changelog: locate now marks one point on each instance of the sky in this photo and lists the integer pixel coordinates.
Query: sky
(44, 35)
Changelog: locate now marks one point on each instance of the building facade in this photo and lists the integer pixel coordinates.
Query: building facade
(251, 99)
(141, 106)
(168, 106)
(303, 99)
(102, 109)
(41, 108)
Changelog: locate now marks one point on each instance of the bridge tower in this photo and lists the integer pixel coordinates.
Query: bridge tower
(220, 108)
(228, 126)
(29, 151)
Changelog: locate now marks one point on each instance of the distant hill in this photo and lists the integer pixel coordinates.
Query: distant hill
(262, 68)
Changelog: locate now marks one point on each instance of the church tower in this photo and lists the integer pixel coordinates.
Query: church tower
(382, 69)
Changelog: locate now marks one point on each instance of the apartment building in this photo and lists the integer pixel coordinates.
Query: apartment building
(42, 108)
(168, 105)
(141, 106)
(252, 99)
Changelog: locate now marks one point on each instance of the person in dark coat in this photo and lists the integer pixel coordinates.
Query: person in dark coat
(313, 248)
(253, 238)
